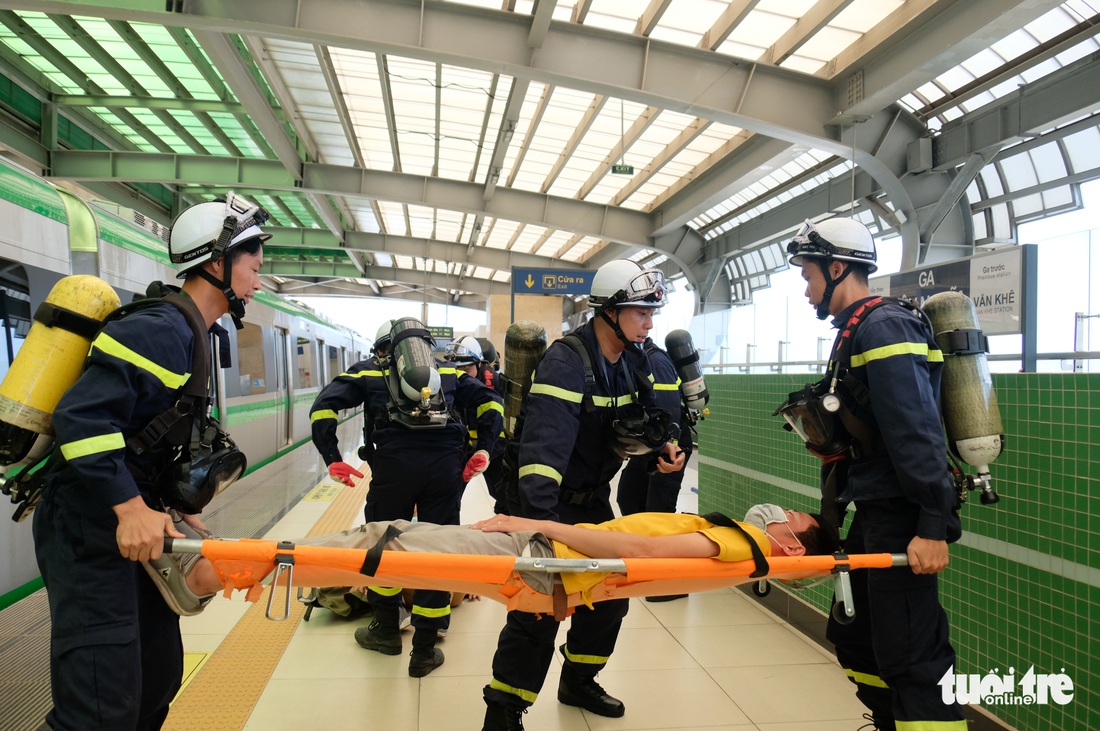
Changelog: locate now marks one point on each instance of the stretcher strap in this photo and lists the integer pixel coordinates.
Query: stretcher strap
(757, 555)
(374, 554)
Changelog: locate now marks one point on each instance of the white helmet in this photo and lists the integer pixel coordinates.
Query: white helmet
(205, 231)
(844, 239)
(623, 283)
(466, 351)
(384, 337)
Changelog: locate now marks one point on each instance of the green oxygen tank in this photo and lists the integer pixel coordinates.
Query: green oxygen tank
(524, 344)
(969, 404)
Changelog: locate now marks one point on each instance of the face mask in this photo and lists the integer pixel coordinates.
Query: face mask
(763, 514)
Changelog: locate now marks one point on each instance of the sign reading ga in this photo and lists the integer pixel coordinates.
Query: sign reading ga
(551, 281)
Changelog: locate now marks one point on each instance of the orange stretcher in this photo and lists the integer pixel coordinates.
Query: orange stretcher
(244, 564)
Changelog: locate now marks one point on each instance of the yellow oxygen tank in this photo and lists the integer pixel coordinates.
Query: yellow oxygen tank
(50, 360)
(969, 404)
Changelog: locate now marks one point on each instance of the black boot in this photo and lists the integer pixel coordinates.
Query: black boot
(499, 718)
(582, 691)
(382, 634)
(425, 656)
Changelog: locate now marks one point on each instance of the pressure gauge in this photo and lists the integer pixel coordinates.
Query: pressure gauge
(830, 402)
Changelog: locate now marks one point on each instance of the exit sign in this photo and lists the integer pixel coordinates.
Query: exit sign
(622, 169)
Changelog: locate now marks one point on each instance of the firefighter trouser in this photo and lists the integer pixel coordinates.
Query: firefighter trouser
(641, 492)
(425, 478)
(116, 657)
(897, 648)
(526, 647)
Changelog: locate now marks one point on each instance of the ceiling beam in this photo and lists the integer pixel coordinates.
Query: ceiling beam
(591, 219)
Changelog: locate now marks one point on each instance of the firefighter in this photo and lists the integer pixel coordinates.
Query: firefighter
(642, 487)
(417, 457)
(884, 378)
(116, 656)
(485, 418)
(590, 407)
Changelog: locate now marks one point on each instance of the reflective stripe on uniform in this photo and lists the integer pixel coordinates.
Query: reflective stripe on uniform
(322, 414)
(865, 679)
(112, 347)
(431, 611)
(556, 392)
(608, 401)
(540, 469)
(525, 695)
(449, 371)
(934, 355)
(490, 406)
(361, 374)
(386, 590)
(93, 445)
(665, 387)
(584, 659)
(931, 725)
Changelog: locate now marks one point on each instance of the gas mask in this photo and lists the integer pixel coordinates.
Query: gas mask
(816, 419)
(641, 430)
(210, 465)
(763, 514)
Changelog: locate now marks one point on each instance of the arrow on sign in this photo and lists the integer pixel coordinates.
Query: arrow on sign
(529, 282)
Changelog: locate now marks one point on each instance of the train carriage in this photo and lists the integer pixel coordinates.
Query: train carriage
(278, 363)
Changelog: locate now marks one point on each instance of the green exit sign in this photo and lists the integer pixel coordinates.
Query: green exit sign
(622, 169)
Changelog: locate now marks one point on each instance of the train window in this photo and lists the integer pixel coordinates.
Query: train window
(250, 359)
(305, 374)
(15, 311)
(335, 367)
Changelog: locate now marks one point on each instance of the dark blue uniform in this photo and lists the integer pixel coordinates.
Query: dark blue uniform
(642, 492)
(565, 471)
(116, 658)
(897, 648)
(411, 469)
(483, 416)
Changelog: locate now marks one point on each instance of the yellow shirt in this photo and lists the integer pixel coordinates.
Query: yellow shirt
(732, 546)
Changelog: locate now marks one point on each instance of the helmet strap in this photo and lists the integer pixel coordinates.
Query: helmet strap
(236, 305)
(830, 285)
(614, 326)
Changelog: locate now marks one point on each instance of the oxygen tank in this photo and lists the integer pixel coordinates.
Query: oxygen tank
(50, 360)
(413, 359)
(685, 357)
(524, 344)
(968, 402)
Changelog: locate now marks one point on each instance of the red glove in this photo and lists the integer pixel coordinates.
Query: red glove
(342, 472)
(475, 465)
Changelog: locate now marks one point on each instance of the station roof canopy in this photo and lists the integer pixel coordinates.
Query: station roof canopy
(424, 149)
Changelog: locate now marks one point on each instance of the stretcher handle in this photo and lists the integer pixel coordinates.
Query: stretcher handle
(182, 545)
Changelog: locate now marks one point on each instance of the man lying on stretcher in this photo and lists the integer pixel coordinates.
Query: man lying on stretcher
(642, 535)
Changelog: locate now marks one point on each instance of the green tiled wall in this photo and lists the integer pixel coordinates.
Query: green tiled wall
(1023, 587)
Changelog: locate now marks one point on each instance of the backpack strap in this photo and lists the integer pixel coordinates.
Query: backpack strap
(574, 341)
(720, 519)
(176, 422)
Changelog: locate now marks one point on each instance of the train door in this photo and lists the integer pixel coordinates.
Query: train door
(283, 411)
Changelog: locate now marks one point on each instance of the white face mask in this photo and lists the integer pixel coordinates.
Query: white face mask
(765, 513)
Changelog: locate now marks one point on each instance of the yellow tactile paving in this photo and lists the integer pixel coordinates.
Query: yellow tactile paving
(225, 689)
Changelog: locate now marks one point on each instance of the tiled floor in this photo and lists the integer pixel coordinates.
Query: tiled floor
(714, 661)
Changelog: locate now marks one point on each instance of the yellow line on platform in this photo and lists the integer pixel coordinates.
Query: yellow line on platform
(225, 689)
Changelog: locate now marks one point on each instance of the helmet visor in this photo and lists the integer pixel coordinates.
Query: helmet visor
(646, 289)
(458, 353)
